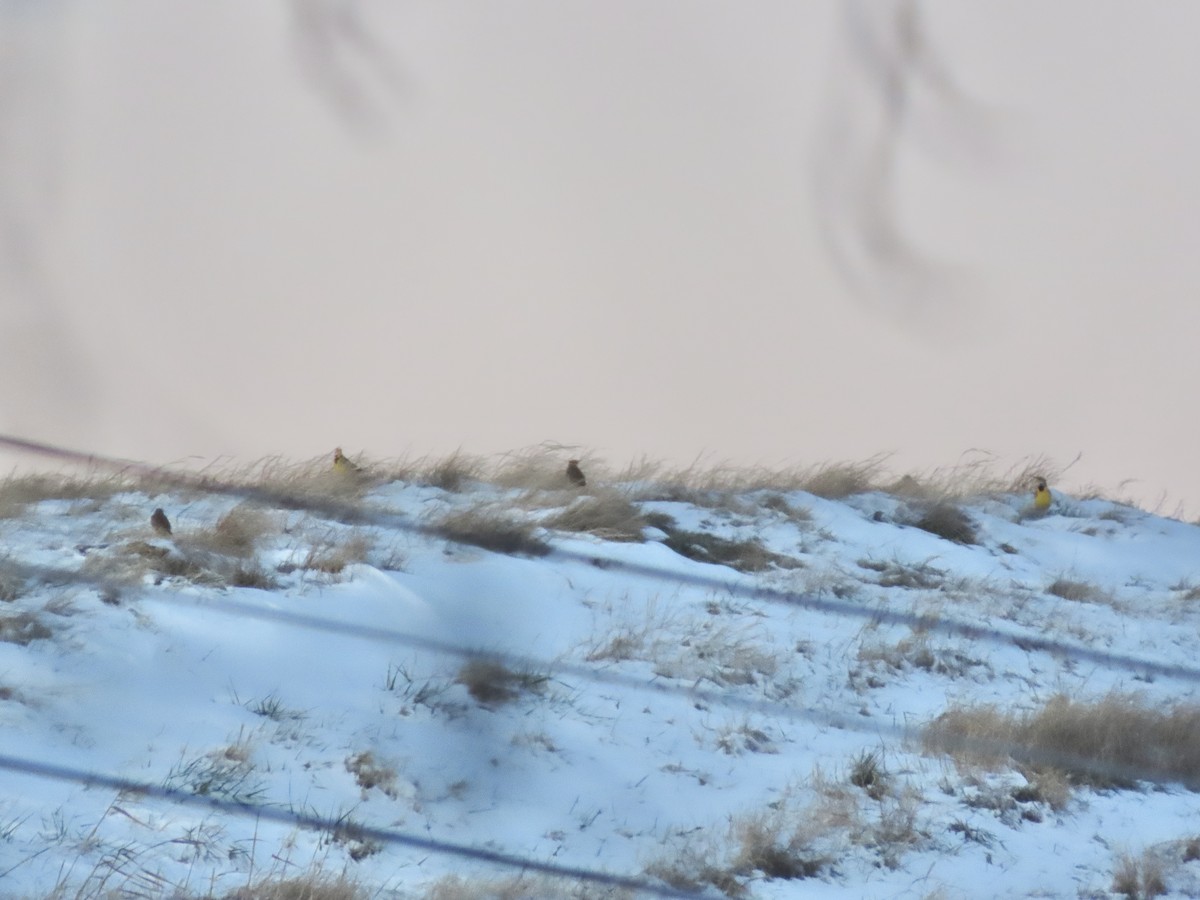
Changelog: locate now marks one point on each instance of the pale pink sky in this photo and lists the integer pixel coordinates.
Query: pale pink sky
(608, 223)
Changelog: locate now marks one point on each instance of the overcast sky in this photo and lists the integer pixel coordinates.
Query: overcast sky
(765, 232)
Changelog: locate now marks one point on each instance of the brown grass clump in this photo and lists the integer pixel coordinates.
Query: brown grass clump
(306, 887)
(22, 628)
(693, 871)
(491, 682)
(975, 475)
(836, 481)
(1077, 591)
(540, 468)
(330, 556)
(521, 887)
(18, 491)
(718, 485)
(800, 834)
(764, 845)
(1139, 878)
(949, 522)
(492, 530)
(12, 586)
(251, 575)
(451, 473)
(293, 485)
(132, 562)
(745, 556)
(608, 515)
(1114, 741)
(918, 652)
(369, 773)
(692, 649)
(237, 533)
(867, 772)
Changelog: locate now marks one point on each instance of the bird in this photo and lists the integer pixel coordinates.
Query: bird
(1041, 496)
(159, 522)
(343, 465)
(575, 474)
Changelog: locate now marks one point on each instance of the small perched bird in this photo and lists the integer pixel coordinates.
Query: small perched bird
(575, 474)
(341, 464)
(159, 522)
(1041, 496)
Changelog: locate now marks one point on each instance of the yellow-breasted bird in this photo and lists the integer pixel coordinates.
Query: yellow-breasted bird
(575, 474)
(159, 522)
(341, 464)
(1041, 496)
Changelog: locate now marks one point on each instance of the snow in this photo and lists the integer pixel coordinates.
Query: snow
(663, 700)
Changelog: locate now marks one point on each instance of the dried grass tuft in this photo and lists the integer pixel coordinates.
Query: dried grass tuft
(609, 515)
(948, 522)
(23, 628)
(316, 886)
(17, 492)
(492, 529)
(492, 683)
(1115, 741)
(236, 534)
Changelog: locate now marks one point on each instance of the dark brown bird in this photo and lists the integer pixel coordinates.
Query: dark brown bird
(575, 474)
(159, 522)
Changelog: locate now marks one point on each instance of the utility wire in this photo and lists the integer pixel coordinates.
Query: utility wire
(694, 693)
(319, 823)
(513, 661)
(345, 512)
(358, 514)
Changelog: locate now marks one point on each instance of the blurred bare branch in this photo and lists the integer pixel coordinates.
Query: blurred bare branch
(889, 88)
(356, 72)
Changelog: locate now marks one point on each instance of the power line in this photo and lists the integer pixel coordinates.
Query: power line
(514, 661)
(359, 514)
(356, 514)
(319, 823)
(825, 718)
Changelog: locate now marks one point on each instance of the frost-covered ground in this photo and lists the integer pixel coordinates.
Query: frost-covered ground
(579, 739)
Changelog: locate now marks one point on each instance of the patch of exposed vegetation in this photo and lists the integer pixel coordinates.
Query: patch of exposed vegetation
(710, 648)
(332, 554)
(748, 555)
(608, 515)
(139, 558)
(520, 887)
(12, 585)
(227, 773)
(948, 522)
(1112, 742)
(369, 772)
(18, 492)
(492, 530)
(916, 652)
(316, 886)
(492, 683)
(452, 473)
(236, 534)
(1139, 877)
(23, 628)
(801, 835)
(1078, 591)
(902, 575)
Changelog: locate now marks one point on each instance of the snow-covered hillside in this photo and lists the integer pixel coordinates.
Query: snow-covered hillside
(695, 690)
